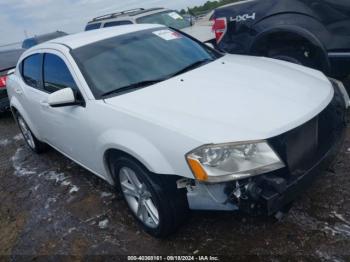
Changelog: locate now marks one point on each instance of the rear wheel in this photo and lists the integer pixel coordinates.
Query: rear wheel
(158, 208)
(296, 56)
(292, 48)
(33, 143)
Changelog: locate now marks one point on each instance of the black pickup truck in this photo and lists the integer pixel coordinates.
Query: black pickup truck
(8, 61)
(314, 33)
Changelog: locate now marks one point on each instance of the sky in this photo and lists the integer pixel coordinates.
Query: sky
(34, 17)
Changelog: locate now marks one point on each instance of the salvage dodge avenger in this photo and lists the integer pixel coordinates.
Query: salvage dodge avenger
(176, 125)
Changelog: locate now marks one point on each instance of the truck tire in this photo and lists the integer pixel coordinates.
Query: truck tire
(292, 48)
(294, 56)
(159, 208)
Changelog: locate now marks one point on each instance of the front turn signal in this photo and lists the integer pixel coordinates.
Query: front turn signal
(197, 169)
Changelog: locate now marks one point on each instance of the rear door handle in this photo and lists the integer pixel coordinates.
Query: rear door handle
(18, 91)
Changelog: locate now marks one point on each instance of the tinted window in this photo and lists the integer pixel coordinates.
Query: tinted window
(31, 67)
(170, 19)
(56, 74)
(47, 37)
(28, 43)
(147, 55)
(116, 23)
(92, 26)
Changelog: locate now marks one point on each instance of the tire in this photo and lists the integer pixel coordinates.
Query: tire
(302, 56)
(157, 205)
(289, 58)
(32, 142)
(292, 56)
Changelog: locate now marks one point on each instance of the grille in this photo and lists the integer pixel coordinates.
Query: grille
(302, 147)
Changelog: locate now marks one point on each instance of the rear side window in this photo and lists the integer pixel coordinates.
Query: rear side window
(116, 23)
(92, 26)
(56, 74)
(31, 70)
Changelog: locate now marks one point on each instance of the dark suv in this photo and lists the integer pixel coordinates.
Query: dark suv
(314, 33)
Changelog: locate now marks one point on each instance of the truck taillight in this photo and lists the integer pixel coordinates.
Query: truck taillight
(3, 82)
(219, 28)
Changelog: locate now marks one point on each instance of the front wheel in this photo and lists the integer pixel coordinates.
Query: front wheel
(30, 139)
(158, 208)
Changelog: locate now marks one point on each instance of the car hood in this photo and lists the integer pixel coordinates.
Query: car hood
(235, 98)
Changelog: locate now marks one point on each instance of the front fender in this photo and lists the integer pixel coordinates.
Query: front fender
(138, 147)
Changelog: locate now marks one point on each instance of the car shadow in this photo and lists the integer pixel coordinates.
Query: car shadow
(6, 114)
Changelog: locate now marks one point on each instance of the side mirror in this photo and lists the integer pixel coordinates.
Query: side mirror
(63, 97)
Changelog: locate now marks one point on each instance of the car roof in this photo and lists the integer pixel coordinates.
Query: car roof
(84, 38)
(127, 13)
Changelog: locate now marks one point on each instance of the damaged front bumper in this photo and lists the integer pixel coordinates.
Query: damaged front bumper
(307, 151)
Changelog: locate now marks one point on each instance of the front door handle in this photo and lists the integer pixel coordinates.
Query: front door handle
(44, 104)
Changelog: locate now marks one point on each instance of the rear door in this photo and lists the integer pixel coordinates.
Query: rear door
(30, 93)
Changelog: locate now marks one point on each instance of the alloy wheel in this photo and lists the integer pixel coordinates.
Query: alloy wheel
(138, 197)
(27, 134)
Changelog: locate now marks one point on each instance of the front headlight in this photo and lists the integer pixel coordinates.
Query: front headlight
(232, 161)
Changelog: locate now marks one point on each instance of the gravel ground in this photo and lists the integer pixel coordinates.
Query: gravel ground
(51, 206)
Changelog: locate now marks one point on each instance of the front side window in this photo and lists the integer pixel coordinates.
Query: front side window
(116, 23)
(169, 18)
(31, 70)
(139, 58)
(56, 74)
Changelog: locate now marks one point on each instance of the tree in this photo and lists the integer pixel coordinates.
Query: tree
(208, 6)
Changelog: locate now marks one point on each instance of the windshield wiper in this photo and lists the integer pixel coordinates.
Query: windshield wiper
(138, 85)
(193, 66)
(146, 83)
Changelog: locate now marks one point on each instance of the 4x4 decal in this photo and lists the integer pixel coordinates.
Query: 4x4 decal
(242, 18)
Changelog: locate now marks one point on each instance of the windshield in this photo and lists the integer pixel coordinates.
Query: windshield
(169, 18)
(147, 56)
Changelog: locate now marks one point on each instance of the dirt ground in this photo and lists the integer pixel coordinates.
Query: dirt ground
(51, 206)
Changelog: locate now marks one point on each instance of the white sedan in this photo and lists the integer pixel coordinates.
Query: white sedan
(174, 124)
